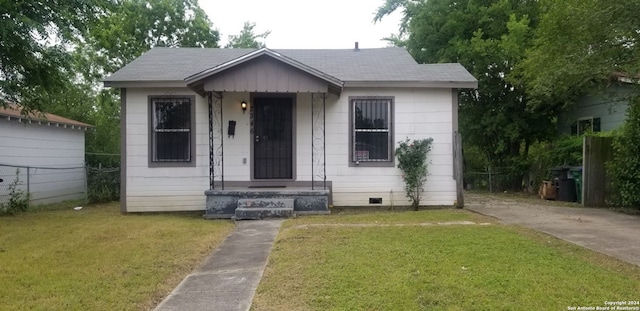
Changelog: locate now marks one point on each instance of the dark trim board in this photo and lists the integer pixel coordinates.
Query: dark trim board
(123, 150)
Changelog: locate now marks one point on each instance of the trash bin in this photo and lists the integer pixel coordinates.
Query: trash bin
(565, 187)
(576, 173)
(566, 190)
(560, 172)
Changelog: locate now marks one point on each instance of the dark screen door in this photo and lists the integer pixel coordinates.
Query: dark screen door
(272, 138)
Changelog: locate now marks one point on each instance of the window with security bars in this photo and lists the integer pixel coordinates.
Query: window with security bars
(372, 132)
(171, 130)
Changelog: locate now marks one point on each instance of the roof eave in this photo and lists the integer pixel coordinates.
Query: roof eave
(44, 121)
(415, 84)
(127, 84)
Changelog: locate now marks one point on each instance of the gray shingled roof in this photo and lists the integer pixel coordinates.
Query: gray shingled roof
(348, 65)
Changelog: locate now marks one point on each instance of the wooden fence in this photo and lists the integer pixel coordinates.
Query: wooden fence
(596, 152)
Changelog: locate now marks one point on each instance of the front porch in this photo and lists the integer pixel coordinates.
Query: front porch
(258, 203)
(274, 156)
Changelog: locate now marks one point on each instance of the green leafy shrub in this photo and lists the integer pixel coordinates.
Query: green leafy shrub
(625, 166)
(18, 199)
(103, 184)
(412, 161)
(564, 150)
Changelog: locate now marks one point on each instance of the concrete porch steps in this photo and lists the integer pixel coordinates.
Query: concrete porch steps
(260, 208)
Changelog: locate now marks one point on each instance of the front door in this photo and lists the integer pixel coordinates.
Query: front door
(273, 138)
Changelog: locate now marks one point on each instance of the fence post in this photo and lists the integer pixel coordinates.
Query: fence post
(458, 171)
(490, 184)
(596, 152)
(86, 186)
(28, 187)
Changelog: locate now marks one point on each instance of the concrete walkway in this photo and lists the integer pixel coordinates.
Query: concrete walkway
(228, 278)
(601, 230)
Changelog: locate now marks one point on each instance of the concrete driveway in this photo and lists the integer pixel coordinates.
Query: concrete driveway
(601, 230)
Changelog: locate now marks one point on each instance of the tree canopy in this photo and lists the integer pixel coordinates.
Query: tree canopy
(134, 26)
(54, 55)
(580, 44)
(490, 39)
(247, 38)
(47, 46)
(34, 39)
(532, 59)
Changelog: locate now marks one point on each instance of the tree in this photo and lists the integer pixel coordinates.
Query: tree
(134, 26)
(625, 166)
(580, 44)
(489, 38)
(247, 39)
(34, 37)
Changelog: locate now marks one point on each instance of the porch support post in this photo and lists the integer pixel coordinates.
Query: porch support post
(318, 140)
(312, 144)
(324, 140)
(221, 143)
(216, 167)
(211, 174)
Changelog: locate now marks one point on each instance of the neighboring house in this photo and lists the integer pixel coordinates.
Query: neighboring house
(600, 112)
(317, 126)
(48, 151)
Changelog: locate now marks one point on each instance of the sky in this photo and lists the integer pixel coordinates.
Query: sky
(304, 24)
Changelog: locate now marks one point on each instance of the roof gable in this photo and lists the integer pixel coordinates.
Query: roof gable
(264, 71)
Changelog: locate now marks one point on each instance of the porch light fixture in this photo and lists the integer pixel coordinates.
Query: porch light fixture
(243, 105)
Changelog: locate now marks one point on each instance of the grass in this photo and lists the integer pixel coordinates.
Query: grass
(98, 259)
(364, 215)
(470, 267)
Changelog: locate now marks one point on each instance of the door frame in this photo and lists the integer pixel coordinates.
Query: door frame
(293, 97)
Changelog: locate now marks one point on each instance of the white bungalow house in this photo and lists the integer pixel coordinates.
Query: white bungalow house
(44, 153)
(224, 130)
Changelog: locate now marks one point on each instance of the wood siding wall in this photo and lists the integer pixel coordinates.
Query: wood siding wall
(265, 75)
(163, 188)
(610, 106)
(419, 113)
(39, 145)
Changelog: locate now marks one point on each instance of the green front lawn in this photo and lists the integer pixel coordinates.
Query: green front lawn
(453, 267)
(99, 259)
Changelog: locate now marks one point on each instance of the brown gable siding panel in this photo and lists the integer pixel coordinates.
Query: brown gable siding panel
(265, 75)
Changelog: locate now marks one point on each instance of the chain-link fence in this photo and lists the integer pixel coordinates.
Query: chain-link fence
(45, 185)
(103, 184)
(492, 179)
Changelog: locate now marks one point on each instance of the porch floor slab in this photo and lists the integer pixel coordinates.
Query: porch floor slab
(228, 278)
(223, 203)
